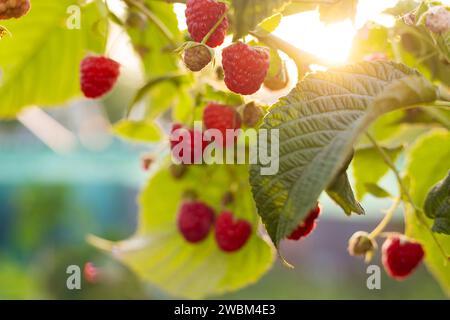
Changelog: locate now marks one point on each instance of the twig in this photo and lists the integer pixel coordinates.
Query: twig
(300, 57)
(153, 18)
(213, 29)
(386, 219)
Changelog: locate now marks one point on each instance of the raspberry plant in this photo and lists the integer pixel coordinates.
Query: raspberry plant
(208, 229)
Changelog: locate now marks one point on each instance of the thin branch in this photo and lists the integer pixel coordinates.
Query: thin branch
(300, 57)
(213, 29)
(386, 219)
(153, 18)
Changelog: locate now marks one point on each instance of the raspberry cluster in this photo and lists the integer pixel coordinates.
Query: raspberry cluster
(196, 219)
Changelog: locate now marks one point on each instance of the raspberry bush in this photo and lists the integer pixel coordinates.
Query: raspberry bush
(340, 130)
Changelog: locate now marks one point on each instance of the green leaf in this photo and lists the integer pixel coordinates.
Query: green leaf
(159, 58)
(159, 253)
(40, 61)
(146, 131)
(427, 164)
(249, 13)
(156, 50)
(437, 206)
(369, 167)
(341, 192)
(338, 10)
(271, 23)
(318, 124)
(377, 191)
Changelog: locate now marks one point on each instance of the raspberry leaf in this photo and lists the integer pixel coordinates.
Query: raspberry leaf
(318, 123)
(338, 10)
(369, 167)
(423, 172)
(160, 65)
(40, 65)
(247, 14)
(146, 131)
(341, 192)
(330, 11)
(160, 254)
(377, 191)
(437, 205)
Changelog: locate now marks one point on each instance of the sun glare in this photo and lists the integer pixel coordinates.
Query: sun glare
(331, 42)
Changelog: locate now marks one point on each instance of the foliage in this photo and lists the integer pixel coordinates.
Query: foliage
(364, 116)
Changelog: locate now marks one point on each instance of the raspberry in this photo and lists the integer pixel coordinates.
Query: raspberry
(252, 114)
(438, 19)
(361, 244)
(90, 273)
(191, 141)
(245, 67)
(98, 76)
(231, 234)
(178, 171)
(13, 8)
(202, 16)
(279, 80)
(307, 226)
(222, 118)
(401, 256)
(146, 161)
(197, 57)
(195, 220)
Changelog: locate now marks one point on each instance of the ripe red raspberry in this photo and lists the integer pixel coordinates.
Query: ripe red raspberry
(222, 117)
(90, 272)
(245, 67)
(307, 226)
(401, 256)
(195, 219)
(98, 76)
(231, 234)
(189, 141)
(13, 8)
(202, 16)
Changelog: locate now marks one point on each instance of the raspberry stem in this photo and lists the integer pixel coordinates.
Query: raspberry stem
(386, 219)
(153, 18)
(213, 29)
